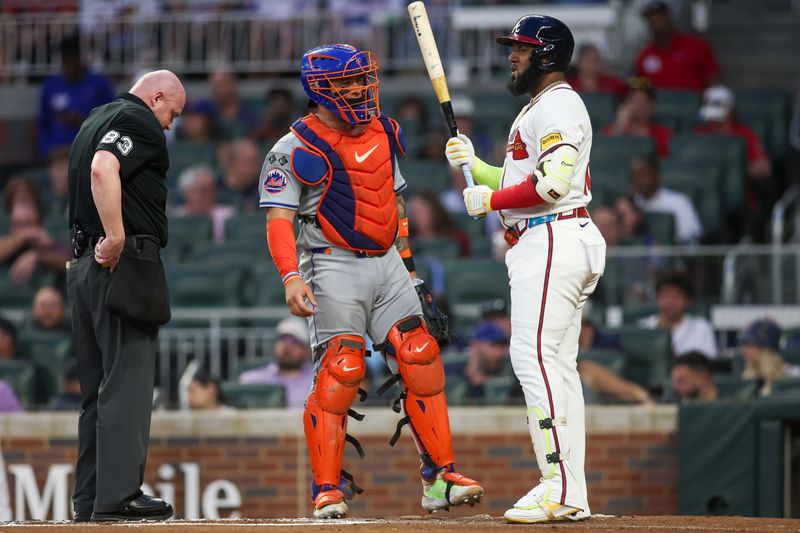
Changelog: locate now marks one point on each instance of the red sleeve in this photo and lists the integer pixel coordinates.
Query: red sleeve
(518, 196)
(755, 150)
(282, 248)
(637, 65)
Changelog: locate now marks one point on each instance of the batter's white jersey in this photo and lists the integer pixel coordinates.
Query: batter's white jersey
(555, 118)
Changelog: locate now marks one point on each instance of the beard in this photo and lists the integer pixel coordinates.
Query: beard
(523, 83)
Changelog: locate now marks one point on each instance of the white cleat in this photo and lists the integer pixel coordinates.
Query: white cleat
(534, 507)
(330, 504)
(462, 491)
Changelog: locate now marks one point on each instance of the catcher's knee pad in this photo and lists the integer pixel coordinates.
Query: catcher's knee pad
(325, 418)
(417, 355)
(422, 373)
(550, 441)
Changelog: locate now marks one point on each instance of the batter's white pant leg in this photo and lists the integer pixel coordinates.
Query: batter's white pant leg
(549, 273)
(5, 501)
(576, 411)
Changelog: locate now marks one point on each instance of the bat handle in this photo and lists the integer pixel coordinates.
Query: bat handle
(468, 175)
(470, 182)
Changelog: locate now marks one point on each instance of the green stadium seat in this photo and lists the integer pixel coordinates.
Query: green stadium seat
(424, 175)
(253, 396)
(185, 232)
(476, 229)
(614, 360)
(771, 105)
(454, 358)
(456, 391)
(475, 281)
(703, 185)
(601, 107)
(677, 109)
(247, 227)
(724, 150)
(186, 154)
(648, 355)
(207, 285)
(238, 254)
(610, 180)
(497, 390)
(442, 249)
(792, 352)
(269, 289)
(786, 387)
(661, 226)
(49, 351)
(13, 294)
(21, 376)
(251, 364)
(735, 388)
(621, 149)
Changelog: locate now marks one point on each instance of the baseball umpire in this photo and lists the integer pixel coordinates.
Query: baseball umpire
(556, 259)
(117, 292)
(337, 171)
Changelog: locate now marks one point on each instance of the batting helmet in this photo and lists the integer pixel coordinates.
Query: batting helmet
(322, 66)
(551, 40)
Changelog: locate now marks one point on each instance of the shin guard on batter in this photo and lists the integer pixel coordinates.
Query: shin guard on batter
(340, 372)
(550, 443)
(417, 355)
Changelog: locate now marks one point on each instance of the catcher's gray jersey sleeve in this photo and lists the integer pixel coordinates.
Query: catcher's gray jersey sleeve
(278, 185)
(399, 183)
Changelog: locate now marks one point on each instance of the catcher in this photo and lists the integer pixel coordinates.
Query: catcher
(337, 172)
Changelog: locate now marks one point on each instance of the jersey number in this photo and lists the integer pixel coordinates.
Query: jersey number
(124, 145)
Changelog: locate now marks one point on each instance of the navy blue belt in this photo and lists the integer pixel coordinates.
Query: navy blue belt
(357, 253)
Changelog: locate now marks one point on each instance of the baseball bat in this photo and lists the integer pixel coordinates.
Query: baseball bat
(433, 63)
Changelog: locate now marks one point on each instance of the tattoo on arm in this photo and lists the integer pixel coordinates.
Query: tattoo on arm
(402, 242)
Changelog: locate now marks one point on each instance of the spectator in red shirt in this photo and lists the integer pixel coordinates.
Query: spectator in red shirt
(674, 60)
(590, 77)
(635, 117)
(718, 117)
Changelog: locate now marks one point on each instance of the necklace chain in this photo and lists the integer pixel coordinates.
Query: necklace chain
(540, 93)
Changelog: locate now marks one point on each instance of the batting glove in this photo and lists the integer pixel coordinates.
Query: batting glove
(460, 152)
(478, 200)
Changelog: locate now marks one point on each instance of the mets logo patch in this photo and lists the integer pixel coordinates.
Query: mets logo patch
(518, 149)
(275, 180)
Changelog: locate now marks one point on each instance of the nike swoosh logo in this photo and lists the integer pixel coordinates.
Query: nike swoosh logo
(349, 368)
(583, 225)
(362, 158)
(420, 348)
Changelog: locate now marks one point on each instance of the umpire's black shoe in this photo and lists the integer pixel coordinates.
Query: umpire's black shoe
(83, 517)
(143, 507)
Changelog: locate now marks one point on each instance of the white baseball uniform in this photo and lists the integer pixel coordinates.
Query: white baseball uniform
(553, 269)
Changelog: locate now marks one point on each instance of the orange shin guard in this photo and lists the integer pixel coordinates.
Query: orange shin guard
(422, 371)
(325, 417)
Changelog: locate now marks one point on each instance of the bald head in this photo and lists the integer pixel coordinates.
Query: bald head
(163, 93)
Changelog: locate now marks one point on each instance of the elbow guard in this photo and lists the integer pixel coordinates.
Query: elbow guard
(555, 173)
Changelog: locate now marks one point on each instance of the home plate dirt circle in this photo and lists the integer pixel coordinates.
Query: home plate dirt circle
(406, 524)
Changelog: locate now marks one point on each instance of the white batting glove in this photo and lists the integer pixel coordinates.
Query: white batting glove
(478, 200)
(460, 152)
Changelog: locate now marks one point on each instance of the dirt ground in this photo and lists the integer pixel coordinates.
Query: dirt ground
(405, 524)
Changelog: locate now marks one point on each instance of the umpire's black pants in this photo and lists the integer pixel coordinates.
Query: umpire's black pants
(116, 363)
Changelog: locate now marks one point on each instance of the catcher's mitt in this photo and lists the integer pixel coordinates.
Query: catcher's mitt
(437, 322)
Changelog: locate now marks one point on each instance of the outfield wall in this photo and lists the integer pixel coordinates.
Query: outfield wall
(254, 463)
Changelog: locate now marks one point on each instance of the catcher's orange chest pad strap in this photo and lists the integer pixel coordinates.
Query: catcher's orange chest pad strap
(366, 160)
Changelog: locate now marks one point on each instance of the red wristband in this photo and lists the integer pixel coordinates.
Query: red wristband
(518, 196)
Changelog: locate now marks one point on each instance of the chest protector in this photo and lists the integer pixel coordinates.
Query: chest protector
(358, 209)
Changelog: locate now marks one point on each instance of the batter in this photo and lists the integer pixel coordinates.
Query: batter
(337, 172)
(556, 258)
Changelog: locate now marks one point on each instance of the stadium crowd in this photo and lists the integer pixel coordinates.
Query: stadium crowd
(654, 183)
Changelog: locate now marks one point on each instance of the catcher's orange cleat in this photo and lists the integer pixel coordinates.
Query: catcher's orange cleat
(330, 504)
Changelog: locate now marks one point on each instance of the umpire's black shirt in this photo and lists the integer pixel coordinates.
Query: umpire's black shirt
(128, 129)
